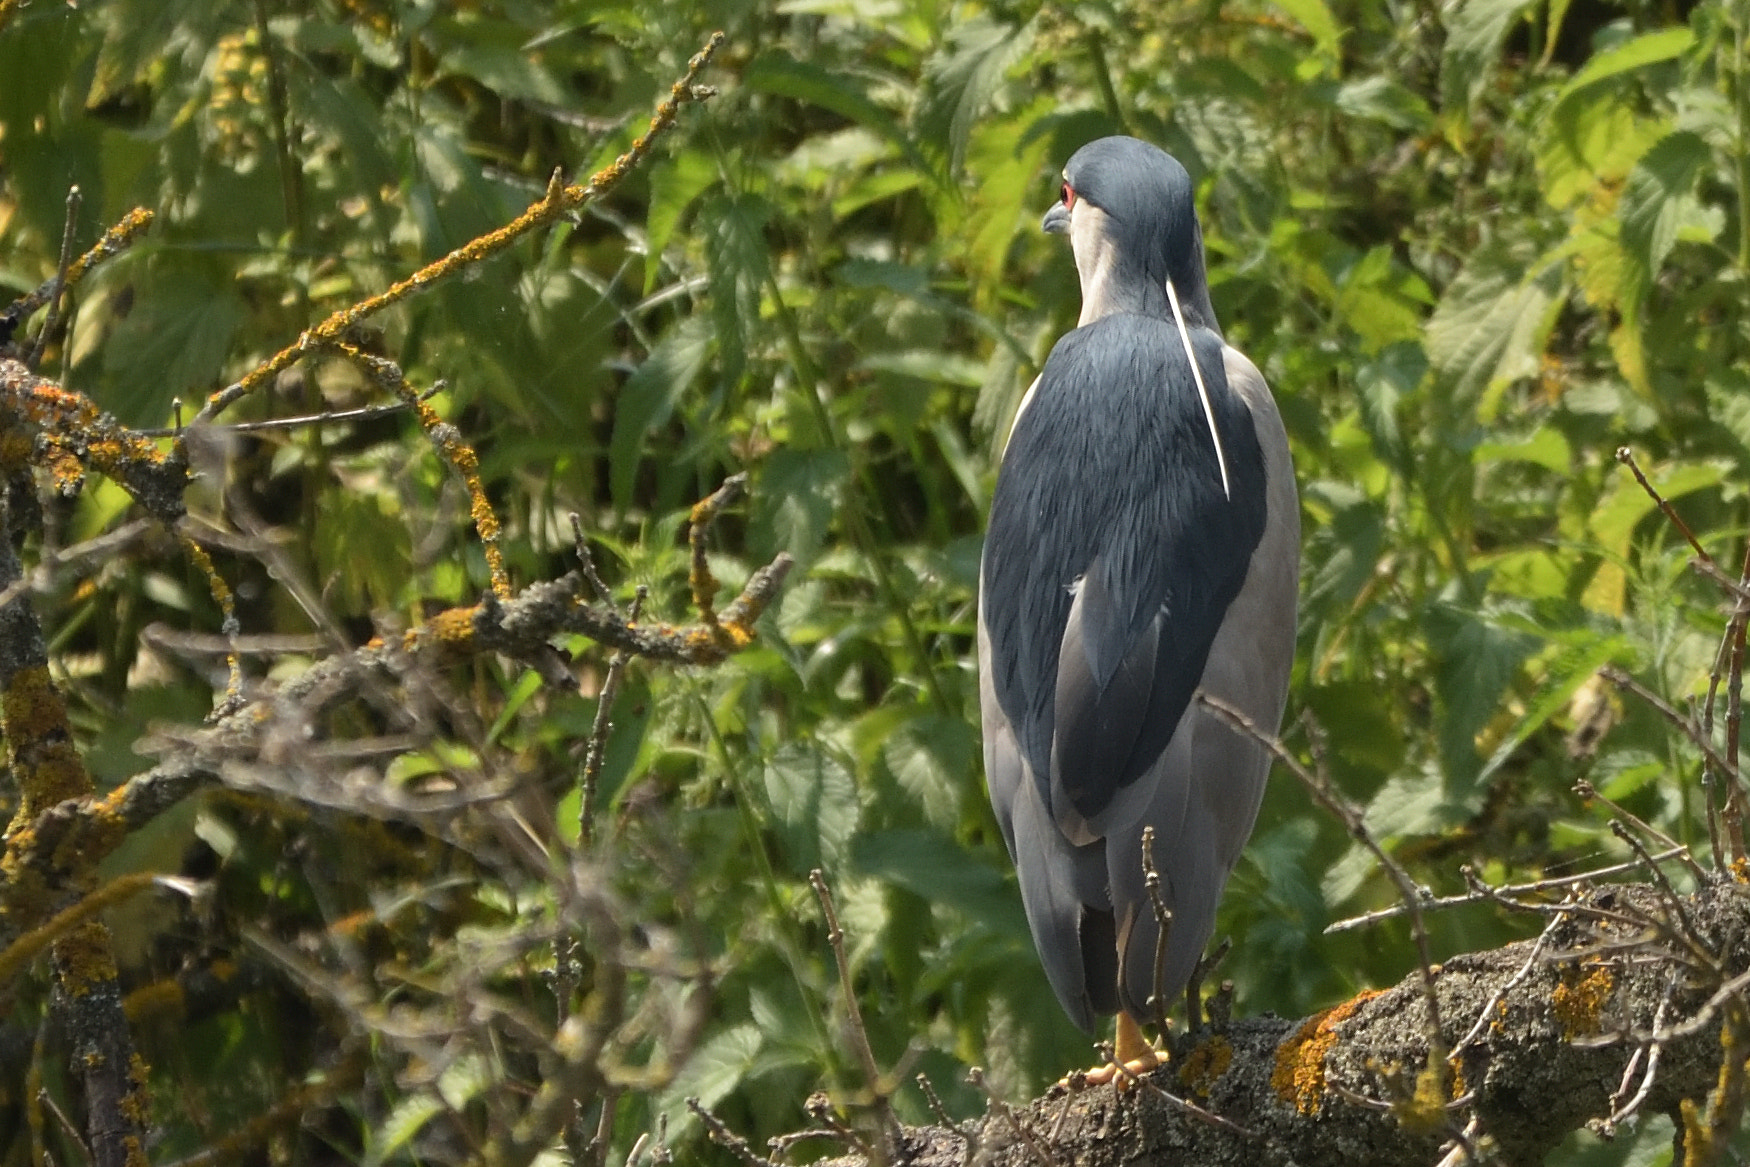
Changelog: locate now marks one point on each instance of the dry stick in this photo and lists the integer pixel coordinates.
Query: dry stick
(1735, 810)
(1486, 1014)
(819, 1108)
(1672, 847)
(934, 1101)
(1327, 796)
(705, 512)
(1151, 880)
(853, 1014)
(1494, 894)
(1673, 901)
(34, 355)
(1023, 1130)
(598, 734)
(1734, 803)
(721, 1134)
(1653, 1049)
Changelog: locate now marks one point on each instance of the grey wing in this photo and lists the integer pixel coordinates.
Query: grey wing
(1210, 781)
(1063, 886)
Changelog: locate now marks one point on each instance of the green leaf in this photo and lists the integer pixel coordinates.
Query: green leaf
(1659, 200)
(962, 78)
(648, 398)
(931, 865)
(1490, 326)
(1647, 49)
(930, 758)
(1477, 660)
(674, 185)
(733, 227)
(173, 343)
(1474, 32)
(813, 804)
(797, 494)
(778, 73)
(1315, 16)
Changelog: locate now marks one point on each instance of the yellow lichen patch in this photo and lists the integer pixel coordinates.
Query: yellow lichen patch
(1208, 1062)
(452, 628)
(1579, 999)
(1740, 869)
(85, 960)
(1299, 1076)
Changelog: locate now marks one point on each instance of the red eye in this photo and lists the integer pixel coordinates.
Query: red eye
(1069, 196)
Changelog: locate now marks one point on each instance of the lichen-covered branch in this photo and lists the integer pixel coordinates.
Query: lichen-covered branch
(1339, 1088)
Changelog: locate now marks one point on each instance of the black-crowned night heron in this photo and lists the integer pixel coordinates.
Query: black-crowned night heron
(1143, 544)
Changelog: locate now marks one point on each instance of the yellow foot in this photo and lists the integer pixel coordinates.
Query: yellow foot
(1134, 1054)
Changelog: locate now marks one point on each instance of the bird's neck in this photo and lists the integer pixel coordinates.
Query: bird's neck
(1111, 284)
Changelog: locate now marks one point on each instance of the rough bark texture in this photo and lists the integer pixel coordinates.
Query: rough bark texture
(1339, 1089)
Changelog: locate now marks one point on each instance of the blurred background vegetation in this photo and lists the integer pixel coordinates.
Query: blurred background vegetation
(1475, 248)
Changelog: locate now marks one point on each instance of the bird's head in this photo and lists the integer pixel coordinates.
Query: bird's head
(1128, 211)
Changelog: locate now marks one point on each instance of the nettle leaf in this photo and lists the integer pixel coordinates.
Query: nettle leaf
(813, 803)
(1591, 142)
(1659, 198)
(960, 81)
(781, 75)
(1474, 32)
(1477, 659)
(930, 758)
(648, 399)
(734, 227)
(797, 495)
(172, 344)
(1383, 100)
(1490, 326)
(1315, 16)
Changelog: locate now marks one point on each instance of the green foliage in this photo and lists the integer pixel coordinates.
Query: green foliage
(1473, 253)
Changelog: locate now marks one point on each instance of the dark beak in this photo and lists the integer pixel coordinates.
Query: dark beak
(1056, 220)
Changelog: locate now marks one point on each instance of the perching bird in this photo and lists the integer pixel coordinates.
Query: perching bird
(1144, 543)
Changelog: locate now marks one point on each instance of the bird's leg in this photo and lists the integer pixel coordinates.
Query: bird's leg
(1133, 1052)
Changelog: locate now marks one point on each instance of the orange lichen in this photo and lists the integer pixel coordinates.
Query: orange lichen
(1299, 1075)
(1205, 1064)
(1740, 869)
(1579, 998)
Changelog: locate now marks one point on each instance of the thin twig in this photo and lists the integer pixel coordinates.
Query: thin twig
(1022, 1130)
(835, 936)
(1514, 889)
(34, 355)
(1325, 793)
(598, 734)
(722, 1135)
(1627, 457)
(1734, 804)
